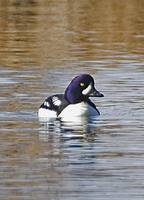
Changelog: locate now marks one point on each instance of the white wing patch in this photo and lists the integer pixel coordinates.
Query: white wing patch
(56, 101)
(87, 90)
(46, 104)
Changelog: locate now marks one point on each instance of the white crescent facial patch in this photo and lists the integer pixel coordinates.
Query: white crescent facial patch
(87, 90)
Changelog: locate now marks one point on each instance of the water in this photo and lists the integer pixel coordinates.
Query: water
(42, 46)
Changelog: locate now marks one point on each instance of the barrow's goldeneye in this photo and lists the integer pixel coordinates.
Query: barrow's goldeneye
(74, 102)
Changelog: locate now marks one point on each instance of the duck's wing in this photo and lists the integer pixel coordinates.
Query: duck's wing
(55, 102)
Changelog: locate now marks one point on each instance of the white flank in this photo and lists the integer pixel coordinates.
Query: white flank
(87, 90)
(46, 113)
(72, 113)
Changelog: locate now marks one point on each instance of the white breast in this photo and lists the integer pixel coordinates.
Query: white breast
(76, 110)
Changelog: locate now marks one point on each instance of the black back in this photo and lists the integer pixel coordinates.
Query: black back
(55, 102)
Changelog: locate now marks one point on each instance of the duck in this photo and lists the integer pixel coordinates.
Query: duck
(74, 102)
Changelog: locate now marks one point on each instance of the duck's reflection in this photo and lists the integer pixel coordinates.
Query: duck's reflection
(80, 127)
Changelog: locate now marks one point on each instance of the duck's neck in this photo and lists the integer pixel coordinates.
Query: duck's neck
(73, 97)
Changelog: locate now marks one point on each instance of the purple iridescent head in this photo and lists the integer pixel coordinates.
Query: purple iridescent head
(80, 88)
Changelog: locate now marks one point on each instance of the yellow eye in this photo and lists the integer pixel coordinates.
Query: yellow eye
(82, 84)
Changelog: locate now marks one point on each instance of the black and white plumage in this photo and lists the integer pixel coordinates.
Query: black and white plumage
(74, 102)
(55, 103)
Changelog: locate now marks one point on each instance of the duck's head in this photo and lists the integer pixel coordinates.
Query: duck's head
(80, 88)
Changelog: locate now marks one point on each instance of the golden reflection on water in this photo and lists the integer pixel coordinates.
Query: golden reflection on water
(60, 33)
(53, 33)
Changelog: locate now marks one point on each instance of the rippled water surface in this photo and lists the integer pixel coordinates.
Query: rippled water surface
(43, 45)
